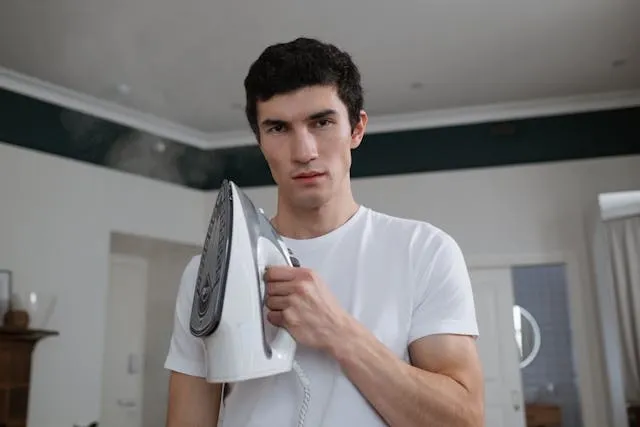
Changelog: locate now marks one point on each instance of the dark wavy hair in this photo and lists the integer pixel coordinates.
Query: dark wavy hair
(303, 62)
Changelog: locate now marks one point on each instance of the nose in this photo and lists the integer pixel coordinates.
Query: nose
(304, 148)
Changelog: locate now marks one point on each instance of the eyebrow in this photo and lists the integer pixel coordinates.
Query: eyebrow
(315, 116)
(322, 114)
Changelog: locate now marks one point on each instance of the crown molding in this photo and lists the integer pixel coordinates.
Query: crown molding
(505, 111)
(106, 110)
(116, 113)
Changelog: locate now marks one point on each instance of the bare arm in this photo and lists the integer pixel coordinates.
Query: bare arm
(442, 387)
(193, 402)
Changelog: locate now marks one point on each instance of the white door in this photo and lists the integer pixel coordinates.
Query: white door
(122, 378)
(493, 292)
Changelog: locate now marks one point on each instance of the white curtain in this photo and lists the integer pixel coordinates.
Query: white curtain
(624, 245)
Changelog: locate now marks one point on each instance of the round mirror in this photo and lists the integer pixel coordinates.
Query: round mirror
(527, 334)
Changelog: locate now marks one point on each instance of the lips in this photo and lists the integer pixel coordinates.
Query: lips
(308, 175)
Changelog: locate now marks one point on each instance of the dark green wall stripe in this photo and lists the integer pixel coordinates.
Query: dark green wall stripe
(44, 127)
(548, 139)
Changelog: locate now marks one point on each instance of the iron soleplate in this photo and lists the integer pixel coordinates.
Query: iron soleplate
(209, 293)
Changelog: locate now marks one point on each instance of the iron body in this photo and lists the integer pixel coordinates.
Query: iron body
(228, 303)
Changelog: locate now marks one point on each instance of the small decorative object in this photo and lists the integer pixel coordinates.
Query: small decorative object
(39, 306)
(5, 292)
(16, 319)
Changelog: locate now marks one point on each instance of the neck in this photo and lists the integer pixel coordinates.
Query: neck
(301, 223)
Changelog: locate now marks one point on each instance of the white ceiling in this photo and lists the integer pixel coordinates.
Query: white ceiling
(178, 67)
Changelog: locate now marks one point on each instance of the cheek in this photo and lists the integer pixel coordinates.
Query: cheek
(344, 151)
(276, 158)
(346, 159)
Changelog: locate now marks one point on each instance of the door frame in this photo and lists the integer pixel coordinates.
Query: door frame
(591, 399)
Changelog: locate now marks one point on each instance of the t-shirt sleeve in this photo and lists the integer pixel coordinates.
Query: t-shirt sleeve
(444, 302)
(186, 352)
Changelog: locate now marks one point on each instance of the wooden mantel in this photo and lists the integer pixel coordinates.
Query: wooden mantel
(16, 348)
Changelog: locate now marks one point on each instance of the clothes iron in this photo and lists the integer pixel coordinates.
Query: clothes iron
(229, 298)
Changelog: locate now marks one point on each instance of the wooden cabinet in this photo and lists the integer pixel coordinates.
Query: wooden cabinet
(16, 347)
(633, 412)
(543, 415)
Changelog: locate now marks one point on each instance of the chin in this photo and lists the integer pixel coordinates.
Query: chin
(311, 201)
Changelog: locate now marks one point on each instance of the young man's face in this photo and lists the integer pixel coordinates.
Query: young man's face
(307, 140)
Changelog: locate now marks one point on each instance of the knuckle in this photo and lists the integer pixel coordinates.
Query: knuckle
(306, 274)
(290, 317)
(301, 287)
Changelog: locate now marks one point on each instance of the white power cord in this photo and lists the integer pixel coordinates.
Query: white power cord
(306, 387)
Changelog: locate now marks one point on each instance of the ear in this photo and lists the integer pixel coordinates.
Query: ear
(359, 129)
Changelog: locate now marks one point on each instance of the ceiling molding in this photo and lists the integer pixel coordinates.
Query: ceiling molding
(505, 111)
(116, 113)
(106, 110)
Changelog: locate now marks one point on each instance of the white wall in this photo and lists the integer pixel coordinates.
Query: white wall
(516, 213)
(56, 216)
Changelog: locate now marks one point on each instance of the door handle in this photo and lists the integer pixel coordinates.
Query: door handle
(515, 399)
(127, 403)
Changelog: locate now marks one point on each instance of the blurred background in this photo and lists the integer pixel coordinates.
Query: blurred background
(514, 126)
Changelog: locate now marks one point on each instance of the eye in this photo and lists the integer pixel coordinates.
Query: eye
(276, 129)
(321, 123)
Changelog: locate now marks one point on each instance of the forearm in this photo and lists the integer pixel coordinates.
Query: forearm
(403, 395)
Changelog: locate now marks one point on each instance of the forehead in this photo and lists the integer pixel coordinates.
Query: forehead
(300, 104)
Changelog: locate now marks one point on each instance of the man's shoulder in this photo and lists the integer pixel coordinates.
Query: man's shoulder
(418, 233)
(191, 269)
(189, 276)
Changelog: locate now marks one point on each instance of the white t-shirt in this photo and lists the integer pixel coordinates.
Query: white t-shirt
(403, 279)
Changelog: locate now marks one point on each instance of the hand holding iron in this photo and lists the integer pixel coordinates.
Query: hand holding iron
(300, 301)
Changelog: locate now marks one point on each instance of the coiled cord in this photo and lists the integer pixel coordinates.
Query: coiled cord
(306, 387)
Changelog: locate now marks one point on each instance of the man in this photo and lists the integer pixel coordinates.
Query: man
(381, 307)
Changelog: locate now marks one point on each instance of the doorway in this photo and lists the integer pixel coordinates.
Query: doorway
(525, 344)
(144, 278)
(124, 341)
(548, 368)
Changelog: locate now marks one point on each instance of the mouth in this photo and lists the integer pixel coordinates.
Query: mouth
(308, 176)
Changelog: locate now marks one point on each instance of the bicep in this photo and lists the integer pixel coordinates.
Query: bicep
(454, 356)
(193, 402)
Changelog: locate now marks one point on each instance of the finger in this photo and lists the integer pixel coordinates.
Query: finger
(276, 318)
(281, 288)
(279, 273)
(278, 302)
